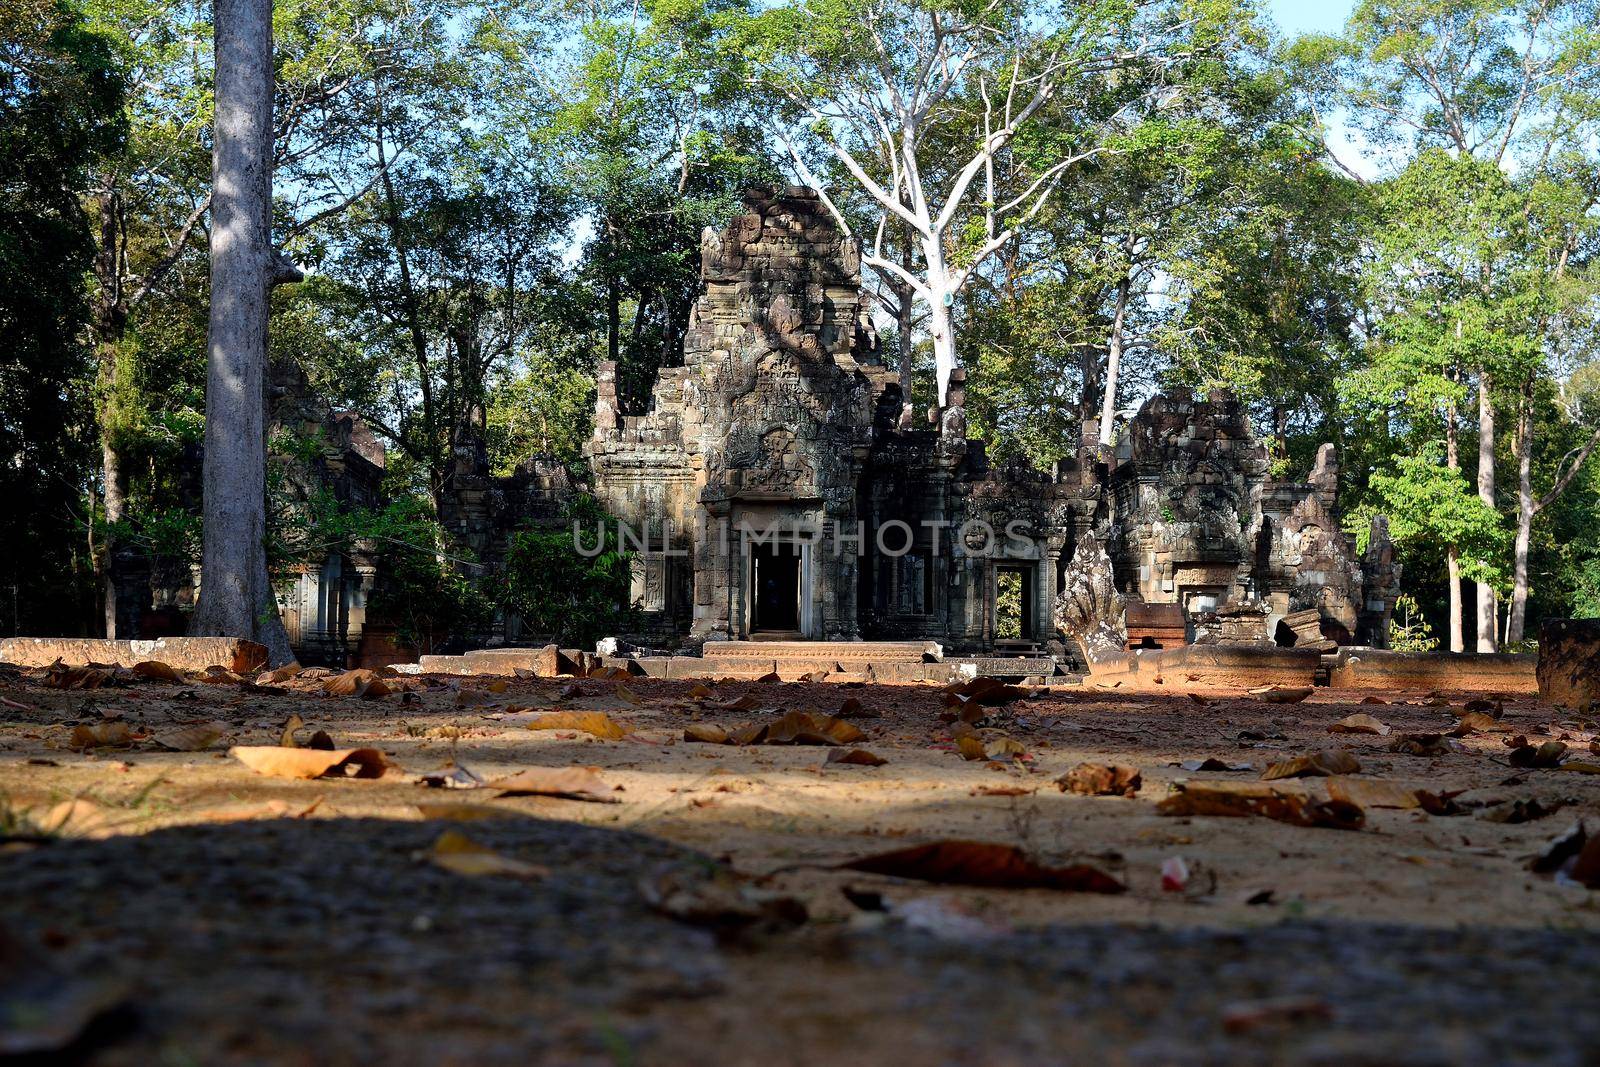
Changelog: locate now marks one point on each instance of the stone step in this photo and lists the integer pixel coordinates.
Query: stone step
(184, 653)
(845, 652)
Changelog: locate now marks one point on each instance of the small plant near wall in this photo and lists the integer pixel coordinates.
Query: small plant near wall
(560, 592)
(1408, 630)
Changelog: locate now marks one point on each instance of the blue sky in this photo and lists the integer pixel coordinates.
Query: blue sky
(1306, 16)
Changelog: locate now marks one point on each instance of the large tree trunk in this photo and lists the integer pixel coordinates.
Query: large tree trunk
(1487, 613)
(941, 330)
(110, 323)
(1517, 624)
(905, 322)
(1452, 459)
(116, 504)
(236, 598)
(1108, 403)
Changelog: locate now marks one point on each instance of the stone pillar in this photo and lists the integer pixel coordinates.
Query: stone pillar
(714, 550)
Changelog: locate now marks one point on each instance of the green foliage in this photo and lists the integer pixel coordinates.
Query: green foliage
(560, 592)
(60, 98)
(1428, 502)
(423, 591)
(1408, 630)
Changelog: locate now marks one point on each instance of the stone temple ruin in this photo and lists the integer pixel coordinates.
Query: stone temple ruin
(775, 496)
(783, 418)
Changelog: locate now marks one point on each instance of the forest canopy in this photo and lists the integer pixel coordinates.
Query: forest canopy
(1385, 239)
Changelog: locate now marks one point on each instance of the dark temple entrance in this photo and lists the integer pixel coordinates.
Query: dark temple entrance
(775, 589)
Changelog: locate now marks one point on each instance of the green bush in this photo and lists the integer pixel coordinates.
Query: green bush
(573, 598)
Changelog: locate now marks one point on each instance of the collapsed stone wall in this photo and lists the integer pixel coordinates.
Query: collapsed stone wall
(1198, 523)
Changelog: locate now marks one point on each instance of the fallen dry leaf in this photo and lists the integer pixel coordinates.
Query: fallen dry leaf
(277, 762)
(79, 817)
(102, 734)
(1274, 694)
(1238, 799)
(1254, 1014)
(1420, 745)
(568, 783)
(980, 863)
(451, 776)
(1360, 723)
(468, 812)
(456, 852)
(856, 756)
(195, 738)
(1546, 755)
(971, 748)
(999, 791)
(1318, 764)
(1478, 722)
(1563, 848)
(597, 723)
(804, 728)
(1101, 780)
(706, 733)
(293, 723)
(719, 899)
(155, 671)
(58, 676)
(349, 683)
(1211, 763)
(628, 696)
(1373, 793)
(280, 674)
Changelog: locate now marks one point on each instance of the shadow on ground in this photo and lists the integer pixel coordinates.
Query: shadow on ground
(329, 942)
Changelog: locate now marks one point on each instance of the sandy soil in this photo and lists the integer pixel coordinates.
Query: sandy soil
(232, 917)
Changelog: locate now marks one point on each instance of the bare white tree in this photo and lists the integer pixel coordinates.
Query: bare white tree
(923, 107)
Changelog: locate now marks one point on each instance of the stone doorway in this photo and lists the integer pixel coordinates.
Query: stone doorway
(775, 590)
(1013, 604)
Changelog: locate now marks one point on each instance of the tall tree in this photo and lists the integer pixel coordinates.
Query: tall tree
(1512, 85)
(236, 596)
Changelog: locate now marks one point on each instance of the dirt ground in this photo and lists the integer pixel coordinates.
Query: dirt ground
(177, 907)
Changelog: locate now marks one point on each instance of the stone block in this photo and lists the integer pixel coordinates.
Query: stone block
(1569, 663)
(1491, 672)
(185, 653)
(1209, 668)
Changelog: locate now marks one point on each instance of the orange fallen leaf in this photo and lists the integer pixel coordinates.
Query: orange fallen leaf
(349, 683)
(979, 863)
(971, 748)
(1239, 799)
(1101, 780)
(106, 733)
(156, 671)
(597, 723)
(278, 762)
(1320, 764)
(707, 733)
